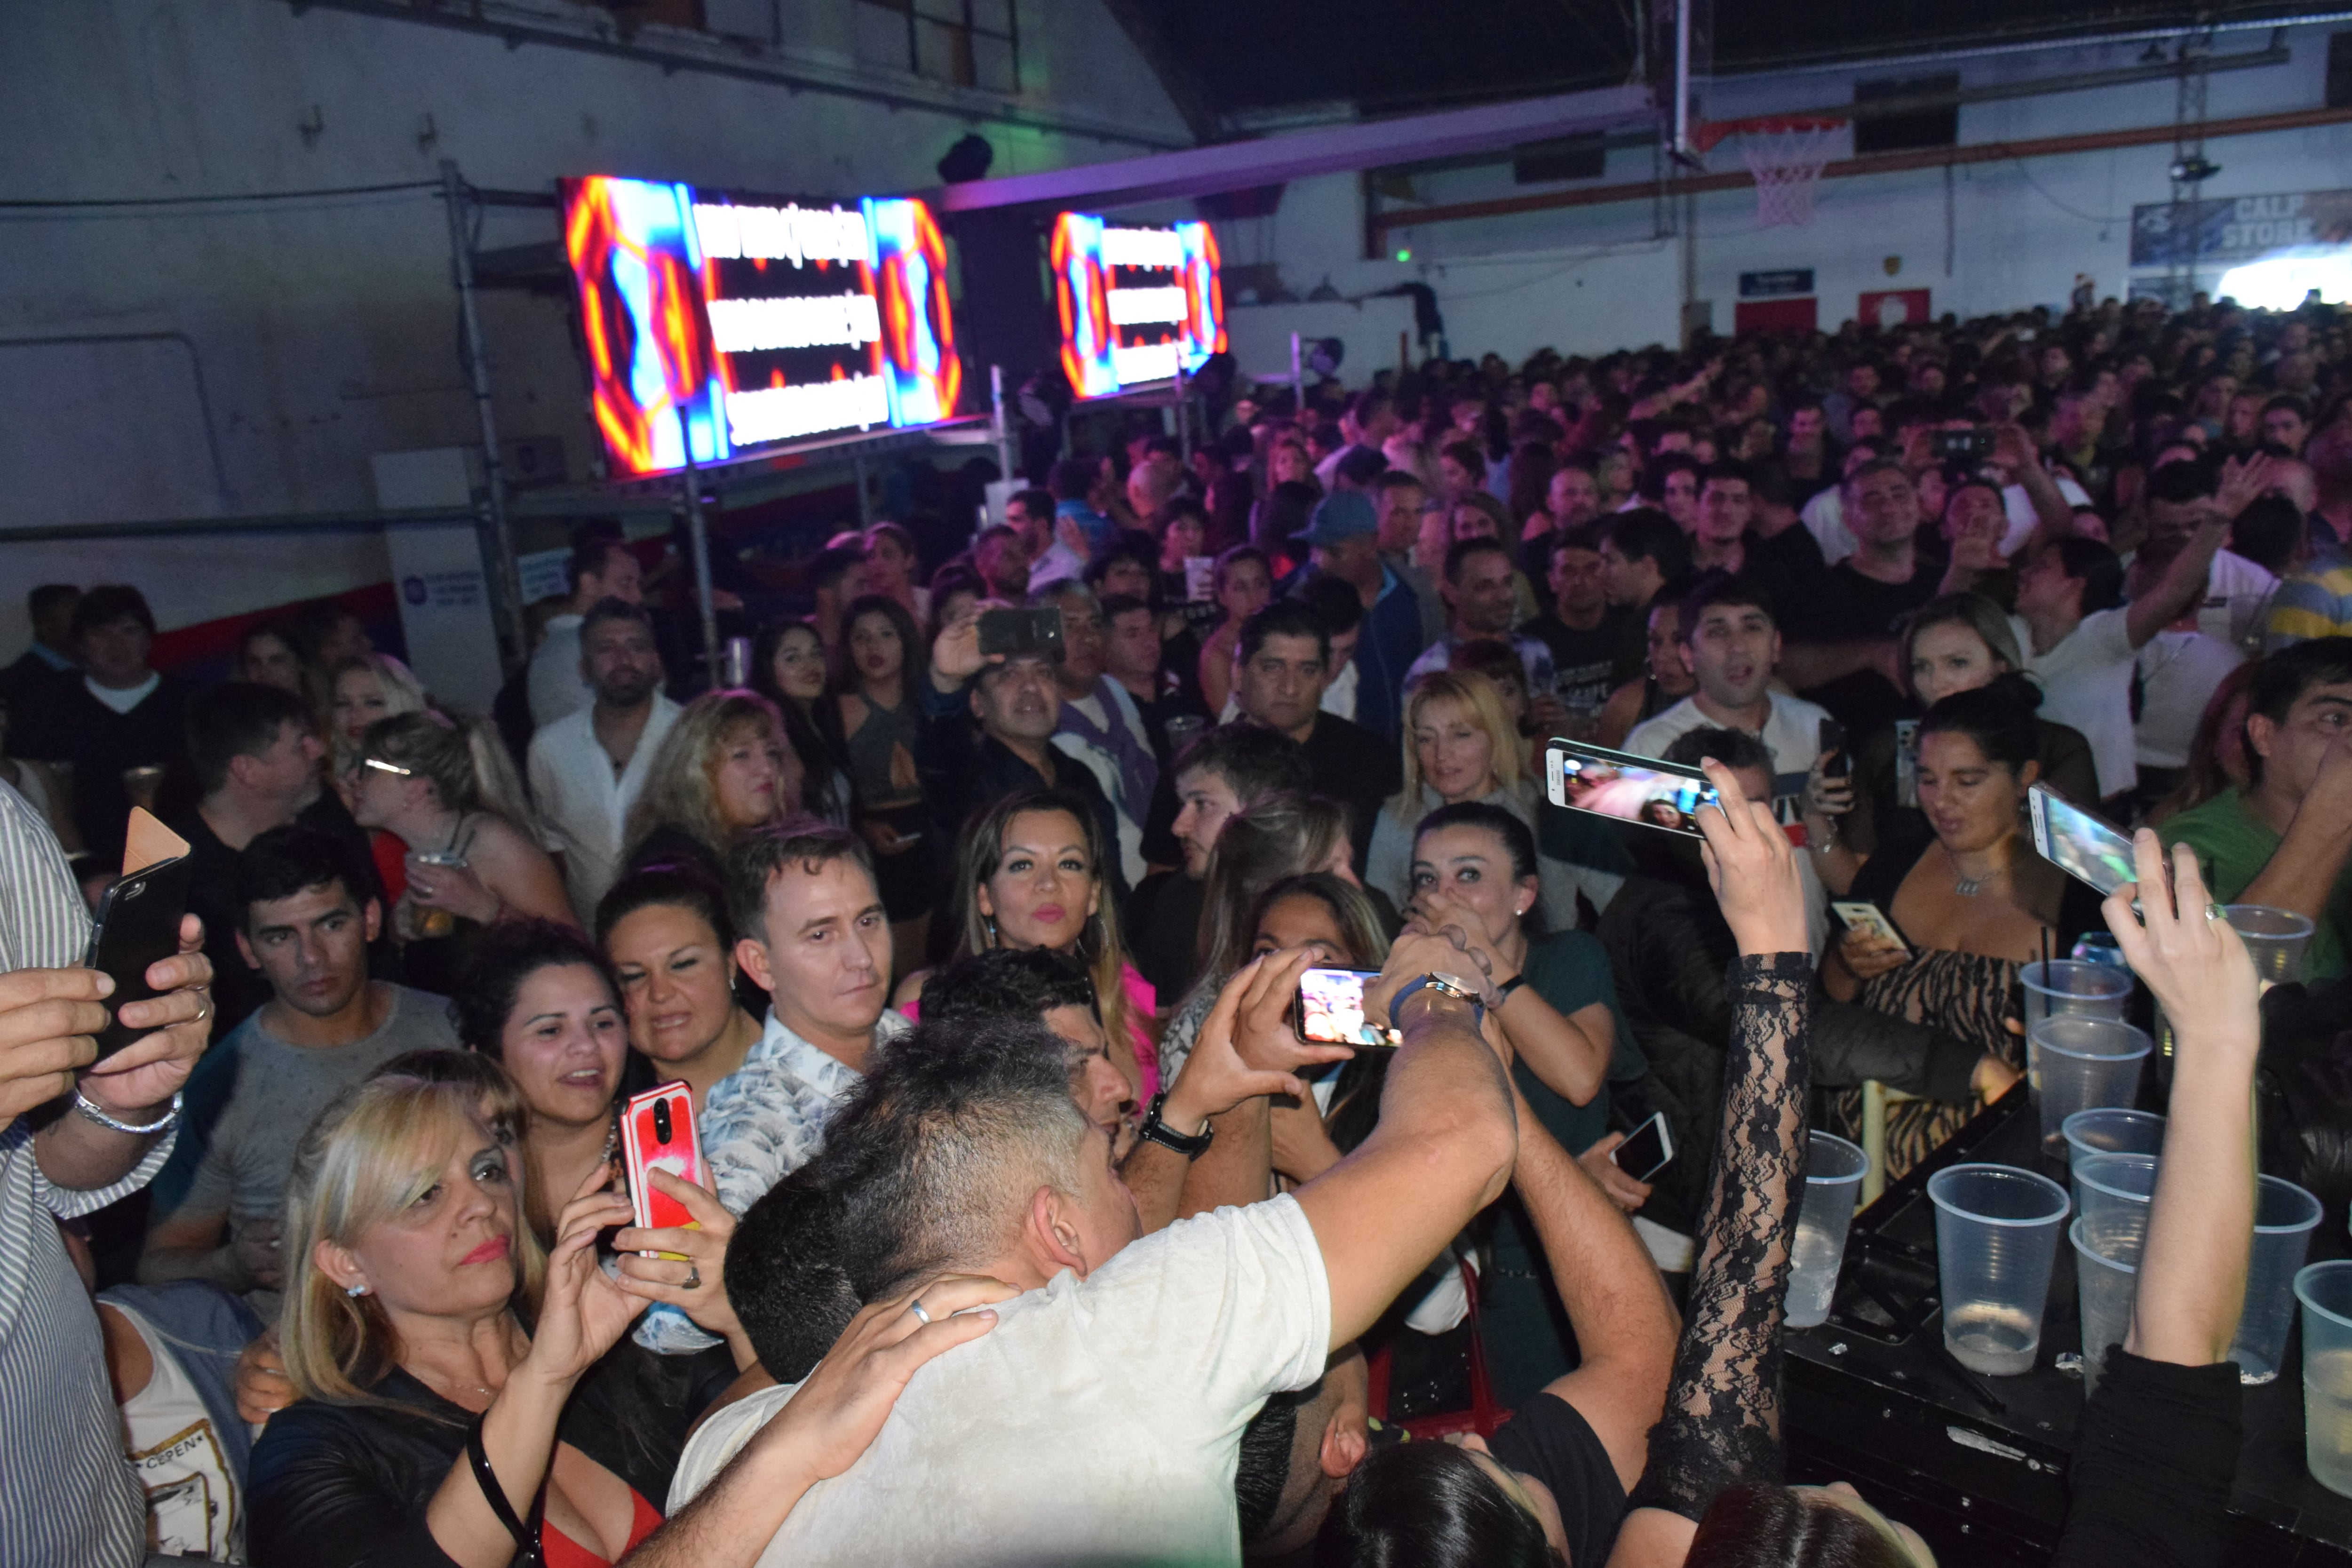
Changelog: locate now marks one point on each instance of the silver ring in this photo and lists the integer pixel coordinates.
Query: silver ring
(916, 1307)
(693, 1277)
(2214, 912)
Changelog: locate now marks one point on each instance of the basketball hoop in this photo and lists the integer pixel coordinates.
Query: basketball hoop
(1786, 153)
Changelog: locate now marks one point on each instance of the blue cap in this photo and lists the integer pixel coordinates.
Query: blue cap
(1342, 514)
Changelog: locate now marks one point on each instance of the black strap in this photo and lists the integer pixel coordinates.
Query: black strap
(526, 1534)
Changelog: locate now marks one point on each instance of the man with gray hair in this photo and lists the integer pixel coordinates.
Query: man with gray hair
(1102, 1419)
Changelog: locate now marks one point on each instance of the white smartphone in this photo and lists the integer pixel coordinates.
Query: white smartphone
(1867, 917)
(1647, 1150)
(1618, 785)
(2083, 846)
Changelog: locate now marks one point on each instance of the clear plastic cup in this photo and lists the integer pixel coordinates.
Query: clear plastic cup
(2075, 986)
(1833, 1170)
(2326, 1291)
(2105, 1279)
(1997, 1232)
(2114, 1192)
(2076, 1064)
(2111, 1130)
(2284, 1217)
(2277, 938)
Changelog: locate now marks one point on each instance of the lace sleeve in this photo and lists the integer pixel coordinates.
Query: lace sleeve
(1722, 1421)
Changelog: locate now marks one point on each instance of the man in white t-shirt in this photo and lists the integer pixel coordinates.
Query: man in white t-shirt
(2081, 641)
(1733, 644)
(1101, 1419)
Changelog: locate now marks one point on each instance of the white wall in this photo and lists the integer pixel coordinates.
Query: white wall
(1585, 279)
(325, 331)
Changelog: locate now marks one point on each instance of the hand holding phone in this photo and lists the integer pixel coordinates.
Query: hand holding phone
(658, 1133)
(1869, 919)
(1013, 632)
(1621, 786)
(1331, 1009)
(2079, 844)
(1647, 1150)
(138, 927)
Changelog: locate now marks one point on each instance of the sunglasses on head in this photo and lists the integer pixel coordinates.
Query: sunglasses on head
(392, 768)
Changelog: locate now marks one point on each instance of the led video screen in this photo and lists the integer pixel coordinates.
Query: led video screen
(723, 323)
(1137, 305)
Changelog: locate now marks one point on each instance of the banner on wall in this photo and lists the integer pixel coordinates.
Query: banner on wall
(1137, 304)
(1891, 307)
(727, 323)
(2238, 229)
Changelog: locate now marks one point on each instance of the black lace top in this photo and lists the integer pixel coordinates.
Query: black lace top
(1722, 1421)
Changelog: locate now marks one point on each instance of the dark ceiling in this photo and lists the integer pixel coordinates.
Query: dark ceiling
(1257, 57)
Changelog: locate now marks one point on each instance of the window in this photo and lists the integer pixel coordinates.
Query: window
(966, 43)
(1907, 128)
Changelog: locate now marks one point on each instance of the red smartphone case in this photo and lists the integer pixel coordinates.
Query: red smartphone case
(643, 1149)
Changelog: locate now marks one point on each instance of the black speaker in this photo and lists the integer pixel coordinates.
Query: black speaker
(1007, 314)
(967, 160)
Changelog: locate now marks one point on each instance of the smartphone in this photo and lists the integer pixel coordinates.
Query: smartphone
(1012, 632)
(138, 925)
(2079, 844)
(1833, 746)
(1906, 763)
(1867, 917)
(658, 1134)
(1625, 788)
(1332, 1009)
(1973, 446)
(1646, 1151)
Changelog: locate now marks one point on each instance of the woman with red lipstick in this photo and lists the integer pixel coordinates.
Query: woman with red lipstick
(722, 768)
(1971, 898)
(1029, 873)
(882, 730)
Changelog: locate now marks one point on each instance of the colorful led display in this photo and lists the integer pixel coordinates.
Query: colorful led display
(725, 323)
(1137, 305)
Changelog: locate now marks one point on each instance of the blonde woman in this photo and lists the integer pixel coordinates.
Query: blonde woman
(1459, 745)
(445, 786)
(722, 768)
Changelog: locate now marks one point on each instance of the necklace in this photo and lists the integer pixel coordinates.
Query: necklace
(1965, 886)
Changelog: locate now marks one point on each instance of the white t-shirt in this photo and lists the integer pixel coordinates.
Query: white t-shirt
(2237, 596)
(195, 1507)
(2022, 517)
(1825, 519)
(1100, 1421)
(2087, 682)
(1793, 735)
(2178, 673)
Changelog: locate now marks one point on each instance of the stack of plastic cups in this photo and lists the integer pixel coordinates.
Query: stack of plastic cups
(1833, 1170)
(2075, 1063)
(1997, 1232)
(2115, 1192)
(2071, 985)
(2277, 938)
(2106, 1277)
(2111, 1130)
(2326, 1291)
(2284, 1217)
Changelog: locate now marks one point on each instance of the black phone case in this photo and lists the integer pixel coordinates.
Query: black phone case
(138, 925)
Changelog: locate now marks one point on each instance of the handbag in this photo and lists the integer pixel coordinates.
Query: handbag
(1482, 1415)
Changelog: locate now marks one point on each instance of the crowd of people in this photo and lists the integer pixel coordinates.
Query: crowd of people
(1031, 1228)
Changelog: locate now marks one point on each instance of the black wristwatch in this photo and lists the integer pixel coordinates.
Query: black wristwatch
(1191, 1145)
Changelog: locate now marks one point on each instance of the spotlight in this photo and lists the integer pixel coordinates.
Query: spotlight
(2192, 169)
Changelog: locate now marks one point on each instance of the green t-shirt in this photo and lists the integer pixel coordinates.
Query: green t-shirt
(2232, 846)
(1570, 970)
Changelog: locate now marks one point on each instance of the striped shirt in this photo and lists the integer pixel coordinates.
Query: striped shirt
(2315, 603)
(67, 1494)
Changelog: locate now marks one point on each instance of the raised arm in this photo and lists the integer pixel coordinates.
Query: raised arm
(2182, 584)
(1624, 1323)
(2156, 1453)
(1443, 1150)
(1722, 1421)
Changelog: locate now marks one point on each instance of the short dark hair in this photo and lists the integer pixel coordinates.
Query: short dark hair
(1458, 554)
(2295, 403)
(1072, 478)
(2281, 679)
(1284, 618)
(1997, 716)
(592, 545)
(1431, 1504)
(1253, 760)
(1518, 839)
(109, 602)
(2100, 569)
(1037, 502)
(1334, 603)
(49, 597)
(1652, 483)
(755, 857)
(1725, 470)
(1734, 749)
(293, 859)
(683, 884)
(2180, 483)
(1117, 604)
(2269, 533)
(1874, 465)
(1403, 480)
(505, 955)
(236, 719)
(1361, 464)
(835, 562)
(1723, 588)
(612, 609)
(785, 1276)
(1645, 533)
(1004, 983)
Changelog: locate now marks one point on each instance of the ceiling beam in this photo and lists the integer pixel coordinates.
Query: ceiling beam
(1296, 154)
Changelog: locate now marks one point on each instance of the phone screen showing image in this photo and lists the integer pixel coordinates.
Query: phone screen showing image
(2083, 846)
(1331, 1008)
(1627, 788)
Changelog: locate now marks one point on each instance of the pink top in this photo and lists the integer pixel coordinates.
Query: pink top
(1142, 1000)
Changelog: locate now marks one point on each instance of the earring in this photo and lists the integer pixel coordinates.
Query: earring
(356, 1290)
(992, 928)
